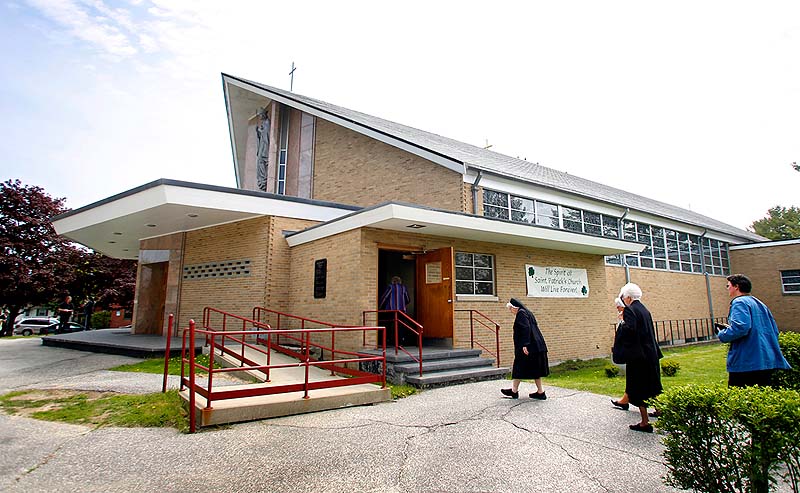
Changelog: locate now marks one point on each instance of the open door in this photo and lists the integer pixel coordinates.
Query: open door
(435, 293)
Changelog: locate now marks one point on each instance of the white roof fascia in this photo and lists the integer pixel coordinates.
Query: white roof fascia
(230, 131)
(398, 217)
(767, 244)
(386, 139)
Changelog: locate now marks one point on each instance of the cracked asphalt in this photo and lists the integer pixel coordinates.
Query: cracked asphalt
(462, 438)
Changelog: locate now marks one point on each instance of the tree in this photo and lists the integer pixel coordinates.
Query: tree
(34, 260)
(780, 224)
(796, 166)
(107, 280)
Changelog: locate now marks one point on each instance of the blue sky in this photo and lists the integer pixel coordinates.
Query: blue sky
(692, 103)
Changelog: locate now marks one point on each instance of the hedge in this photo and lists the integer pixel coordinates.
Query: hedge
(721, 439)
(790, 347)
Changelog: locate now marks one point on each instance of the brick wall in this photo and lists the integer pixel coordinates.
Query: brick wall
(573, 328)
(763, 266)
(351, 168)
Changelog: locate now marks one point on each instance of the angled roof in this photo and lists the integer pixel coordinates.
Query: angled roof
(460, 156)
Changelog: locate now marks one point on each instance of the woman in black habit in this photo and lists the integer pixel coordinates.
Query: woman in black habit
(641, 352)
(530, 352)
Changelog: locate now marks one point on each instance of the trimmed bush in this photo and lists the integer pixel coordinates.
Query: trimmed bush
(101, 320)
(790, 347)
(611, 371)
(722, 439)
(670, 367)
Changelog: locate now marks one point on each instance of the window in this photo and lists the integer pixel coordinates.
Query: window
(790, 281)
(283, 151)
(474, 273)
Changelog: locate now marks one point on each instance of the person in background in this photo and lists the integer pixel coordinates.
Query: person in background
(65, 310)
(623, 403)
(643, 372)
(88, 309)
(530, 352)
(754, 353)
(395, 297)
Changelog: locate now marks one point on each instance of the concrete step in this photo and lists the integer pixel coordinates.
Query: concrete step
(451, 377)
(428, 354)
(443, 364)
(271, 406)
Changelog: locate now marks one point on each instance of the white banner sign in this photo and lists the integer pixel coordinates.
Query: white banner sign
(556, 282)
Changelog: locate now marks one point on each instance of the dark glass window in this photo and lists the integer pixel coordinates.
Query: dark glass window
(474, 273)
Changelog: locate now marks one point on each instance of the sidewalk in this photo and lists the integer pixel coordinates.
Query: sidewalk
(462, 438)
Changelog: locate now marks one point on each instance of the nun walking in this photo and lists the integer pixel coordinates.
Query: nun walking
(530, 352)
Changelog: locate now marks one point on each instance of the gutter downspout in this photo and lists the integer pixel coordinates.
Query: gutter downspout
(475, 192)
(706, 275)
(620, 235)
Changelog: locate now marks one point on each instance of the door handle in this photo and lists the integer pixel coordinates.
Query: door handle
(449, 301)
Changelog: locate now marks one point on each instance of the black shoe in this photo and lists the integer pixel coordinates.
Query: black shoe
(648, 428)
(620, 405)
(537, 395)
(510, 393)
(654, 414)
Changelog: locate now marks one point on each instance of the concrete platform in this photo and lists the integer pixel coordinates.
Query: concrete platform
(118, 341)
(285, 404)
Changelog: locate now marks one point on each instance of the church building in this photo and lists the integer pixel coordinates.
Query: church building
(331, 204)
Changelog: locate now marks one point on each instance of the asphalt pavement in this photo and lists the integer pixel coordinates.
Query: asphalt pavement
(461, 438)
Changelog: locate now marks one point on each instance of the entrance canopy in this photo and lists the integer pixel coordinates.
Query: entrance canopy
(114, 226)
(412, 218)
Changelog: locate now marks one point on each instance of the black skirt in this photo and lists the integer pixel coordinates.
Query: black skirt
(642, 381)
(532, 366)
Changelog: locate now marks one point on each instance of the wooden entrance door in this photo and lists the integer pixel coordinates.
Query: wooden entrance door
(435, 293)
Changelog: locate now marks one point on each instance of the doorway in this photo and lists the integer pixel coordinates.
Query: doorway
(151, 299)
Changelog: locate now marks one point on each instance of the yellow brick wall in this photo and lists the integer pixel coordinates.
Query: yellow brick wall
(763, 266)
(351, 168)
(240, 240)
(573, 328)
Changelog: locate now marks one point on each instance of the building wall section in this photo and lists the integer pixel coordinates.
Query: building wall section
(351, 168)
(763, 265)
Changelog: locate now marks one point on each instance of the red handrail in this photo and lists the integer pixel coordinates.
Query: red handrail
(495, 329)
(397, 315)
(239, 337)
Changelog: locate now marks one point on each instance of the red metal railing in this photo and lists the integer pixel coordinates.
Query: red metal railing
(482, 320)
(258, 339)
(398, 318)
(166, 351)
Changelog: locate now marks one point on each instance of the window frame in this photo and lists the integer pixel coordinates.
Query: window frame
(474, 280)
(794, 273)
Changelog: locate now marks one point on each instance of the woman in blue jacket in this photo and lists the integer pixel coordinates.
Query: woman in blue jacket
(754, 353)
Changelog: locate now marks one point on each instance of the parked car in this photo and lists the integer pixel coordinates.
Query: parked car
(56, 328)
(33, 325)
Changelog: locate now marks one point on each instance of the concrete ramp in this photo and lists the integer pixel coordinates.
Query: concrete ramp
(283, 404)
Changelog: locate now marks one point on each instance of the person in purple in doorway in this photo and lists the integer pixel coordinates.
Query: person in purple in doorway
(395, 297)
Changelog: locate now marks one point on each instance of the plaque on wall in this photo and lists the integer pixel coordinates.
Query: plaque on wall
(433, 273)
(320, 277)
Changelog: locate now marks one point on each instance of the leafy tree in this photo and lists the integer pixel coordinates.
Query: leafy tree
(34, 261)
(781, 223)
(107, 280)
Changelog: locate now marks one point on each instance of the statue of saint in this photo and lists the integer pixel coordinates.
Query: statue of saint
(262, 152)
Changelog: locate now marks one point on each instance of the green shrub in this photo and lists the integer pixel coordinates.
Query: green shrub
(101, 320)
(670, 367)
(722, 439)
(790, 347)
(611, 371)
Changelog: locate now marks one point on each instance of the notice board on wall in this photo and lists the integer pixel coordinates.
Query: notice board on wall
(320, 277)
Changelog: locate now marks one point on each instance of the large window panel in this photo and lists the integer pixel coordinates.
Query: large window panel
(546, 214)
(790, 281)
(474, 273)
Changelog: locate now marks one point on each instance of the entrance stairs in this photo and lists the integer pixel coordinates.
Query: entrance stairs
(440, 367)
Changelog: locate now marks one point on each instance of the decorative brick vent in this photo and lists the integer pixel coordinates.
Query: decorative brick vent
(225, 269)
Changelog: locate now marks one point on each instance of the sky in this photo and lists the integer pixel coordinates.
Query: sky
(693, 103)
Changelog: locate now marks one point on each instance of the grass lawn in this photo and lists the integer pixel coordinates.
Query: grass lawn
(99, 408)
(702, 364)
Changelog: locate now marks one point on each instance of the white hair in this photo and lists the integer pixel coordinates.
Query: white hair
(632, 290)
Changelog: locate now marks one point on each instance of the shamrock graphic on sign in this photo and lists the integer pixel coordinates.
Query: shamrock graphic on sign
(531, 272)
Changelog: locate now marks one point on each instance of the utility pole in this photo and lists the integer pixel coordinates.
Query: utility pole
(291, 80)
